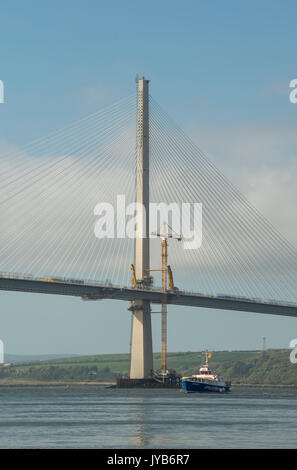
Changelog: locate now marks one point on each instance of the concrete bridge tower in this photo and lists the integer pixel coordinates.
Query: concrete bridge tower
(141, 346)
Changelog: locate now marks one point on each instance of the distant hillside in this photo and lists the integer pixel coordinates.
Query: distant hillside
(272, 367)
(246, 367)
(31, 357)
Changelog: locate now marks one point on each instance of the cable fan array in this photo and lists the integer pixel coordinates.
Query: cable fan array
(241, 253)
(50, 188)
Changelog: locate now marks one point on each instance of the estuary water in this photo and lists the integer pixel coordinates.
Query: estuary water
(97, 417)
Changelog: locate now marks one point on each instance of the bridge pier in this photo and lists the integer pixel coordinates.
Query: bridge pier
(141, 346)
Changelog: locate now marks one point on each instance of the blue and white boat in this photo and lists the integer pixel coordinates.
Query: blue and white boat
(206, 380)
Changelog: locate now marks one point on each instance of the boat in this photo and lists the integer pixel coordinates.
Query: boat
(206, 380)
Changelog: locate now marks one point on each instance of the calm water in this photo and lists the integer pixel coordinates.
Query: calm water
(93, 417)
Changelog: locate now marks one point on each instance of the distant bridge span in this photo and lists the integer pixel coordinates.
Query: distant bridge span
(89, 290)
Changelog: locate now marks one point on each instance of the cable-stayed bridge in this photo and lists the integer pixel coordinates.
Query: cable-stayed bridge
(48, 194)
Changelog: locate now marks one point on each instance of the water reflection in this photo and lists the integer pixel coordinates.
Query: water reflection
(140, 435)
(102, 418)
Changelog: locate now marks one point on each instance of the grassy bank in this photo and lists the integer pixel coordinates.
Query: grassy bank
(241, 367)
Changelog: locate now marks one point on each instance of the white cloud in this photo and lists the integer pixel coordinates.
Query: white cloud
(261, 161)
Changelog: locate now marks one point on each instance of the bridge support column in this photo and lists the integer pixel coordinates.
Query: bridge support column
(141, 346)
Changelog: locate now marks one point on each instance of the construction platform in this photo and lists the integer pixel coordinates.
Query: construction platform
(170, 380)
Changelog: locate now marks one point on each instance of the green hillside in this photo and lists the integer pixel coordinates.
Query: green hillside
(246, 367)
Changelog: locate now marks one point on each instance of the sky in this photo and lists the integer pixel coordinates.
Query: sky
(220, 69)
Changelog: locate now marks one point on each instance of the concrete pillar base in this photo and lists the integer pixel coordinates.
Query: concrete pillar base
(141, 349)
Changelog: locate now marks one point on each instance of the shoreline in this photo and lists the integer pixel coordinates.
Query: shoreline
(53, 384)
(113, 384)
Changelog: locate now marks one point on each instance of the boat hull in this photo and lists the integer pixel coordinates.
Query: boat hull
(192, 386)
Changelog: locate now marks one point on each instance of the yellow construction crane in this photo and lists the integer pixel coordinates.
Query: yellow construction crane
(170, 280)
(171, 285)
(133, 280)
(165, 268)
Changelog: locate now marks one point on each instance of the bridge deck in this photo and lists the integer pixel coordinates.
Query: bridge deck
(95, 291)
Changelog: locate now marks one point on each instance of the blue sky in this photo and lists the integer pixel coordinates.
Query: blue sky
(220, 69)
(207, 61)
